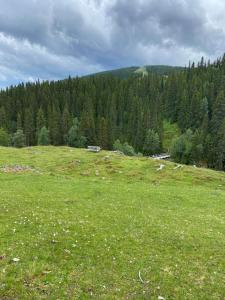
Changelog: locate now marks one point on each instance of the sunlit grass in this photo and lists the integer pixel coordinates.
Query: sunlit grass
(104, 226)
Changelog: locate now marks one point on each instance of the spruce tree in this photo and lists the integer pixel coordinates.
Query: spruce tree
(19, 122)
(40, 120)
(66, 124)
(3, 118)
(103, 135)
(88, 125)
(4, 138)
(55, 127)
(43, 136)
(152, 143)
(75, 139)
(19, 139)
(29, 129)
(220, 148)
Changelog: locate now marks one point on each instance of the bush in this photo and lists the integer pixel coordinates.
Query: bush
(125, 148)
(128, 150)
(4, 138)
(117, 146)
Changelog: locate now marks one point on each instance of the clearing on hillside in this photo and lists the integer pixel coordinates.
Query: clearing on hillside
(104, 226)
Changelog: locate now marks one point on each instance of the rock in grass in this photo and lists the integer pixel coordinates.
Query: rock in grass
(161, 167)
(15, 259)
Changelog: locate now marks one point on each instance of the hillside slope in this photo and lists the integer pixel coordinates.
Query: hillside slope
(125, 73)
(78, 225)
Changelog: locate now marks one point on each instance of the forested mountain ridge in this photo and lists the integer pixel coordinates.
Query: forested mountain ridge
(104, 109)
(125, 73)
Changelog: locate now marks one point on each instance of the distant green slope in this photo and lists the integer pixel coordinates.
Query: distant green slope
(124, 73)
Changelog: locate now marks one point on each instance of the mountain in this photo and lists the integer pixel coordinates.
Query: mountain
(125, 73)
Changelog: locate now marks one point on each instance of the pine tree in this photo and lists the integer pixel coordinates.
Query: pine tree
(75, 139)
(55, 127)
(19, 122)
(220, 148)
(4, 138)
(87, 125)
(19, 139)
(218, 113)
(43, 136)
(103, 133)
(29, 129)
(66, 124)
(3, 118)
(184, 119)
(40, 120)
(152, 143)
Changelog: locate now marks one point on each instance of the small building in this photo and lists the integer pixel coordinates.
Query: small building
(161, 156)
(94, 148)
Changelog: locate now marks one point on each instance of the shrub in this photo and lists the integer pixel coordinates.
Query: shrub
(125, 148)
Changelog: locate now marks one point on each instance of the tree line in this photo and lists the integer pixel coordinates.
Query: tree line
(195, 100)
(93, 111)
(113, 112)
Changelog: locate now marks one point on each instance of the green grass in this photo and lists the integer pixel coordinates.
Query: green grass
(79, 235)
(170, 131)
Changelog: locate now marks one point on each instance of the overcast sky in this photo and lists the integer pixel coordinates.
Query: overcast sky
(51, 39)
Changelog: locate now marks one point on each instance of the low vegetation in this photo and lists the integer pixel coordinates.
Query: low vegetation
(80, 225)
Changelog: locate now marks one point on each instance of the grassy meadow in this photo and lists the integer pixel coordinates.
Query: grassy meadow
(80, 225)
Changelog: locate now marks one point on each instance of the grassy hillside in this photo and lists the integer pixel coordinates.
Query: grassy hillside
(78, 225)
(124, 73)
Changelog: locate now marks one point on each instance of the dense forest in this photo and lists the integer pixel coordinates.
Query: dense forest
(113, 112)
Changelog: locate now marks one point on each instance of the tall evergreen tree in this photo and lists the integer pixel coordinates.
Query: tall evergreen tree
(29, 128)
(75, 139)
(19, 139)
(43, 136)
(4, 138)
(55, 127)
(40, 120)
(3, 118)
(103, 135)
(152, 143)
(66, 123)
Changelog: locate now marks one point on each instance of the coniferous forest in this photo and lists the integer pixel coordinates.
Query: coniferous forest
(109, 111)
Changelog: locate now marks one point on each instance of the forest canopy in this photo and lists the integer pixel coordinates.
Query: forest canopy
(101, 110)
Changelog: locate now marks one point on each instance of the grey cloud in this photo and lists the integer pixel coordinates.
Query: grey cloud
(183, 22)
(54, 38)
